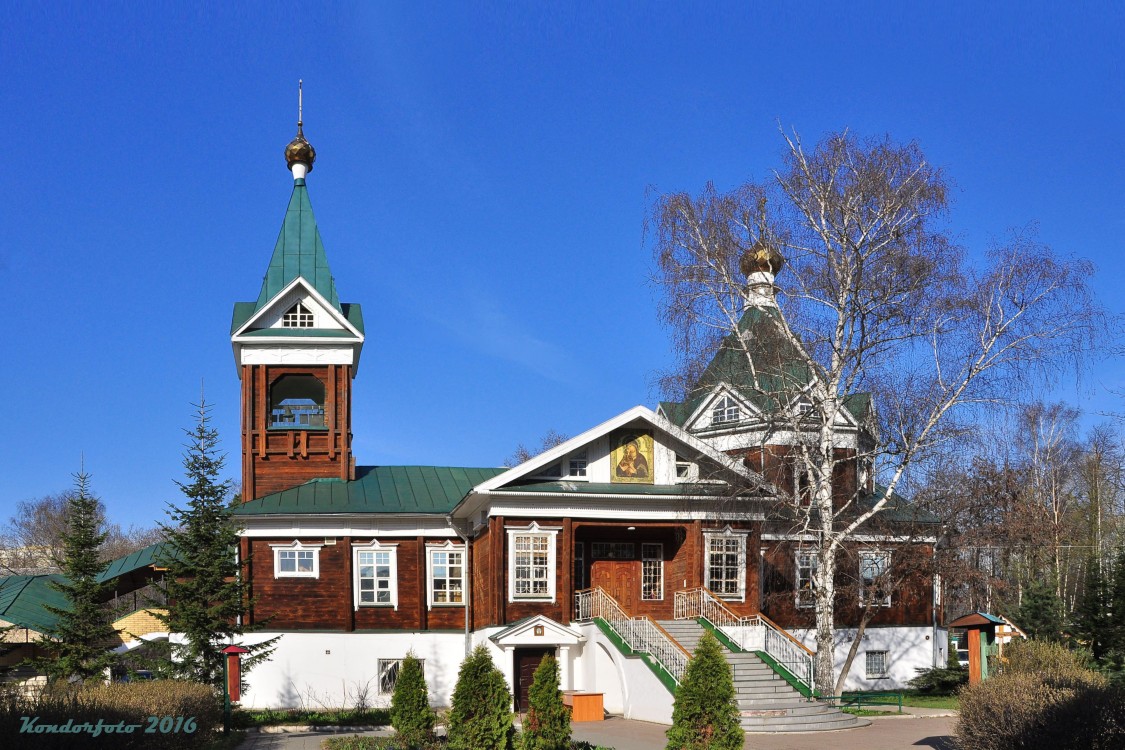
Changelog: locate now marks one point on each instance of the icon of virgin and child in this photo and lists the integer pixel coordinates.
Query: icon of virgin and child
(632, 457)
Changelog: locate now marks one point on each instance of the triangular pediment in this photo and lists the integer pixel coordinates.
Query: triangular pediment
(537, 631)
(274, 317)
(633, 453)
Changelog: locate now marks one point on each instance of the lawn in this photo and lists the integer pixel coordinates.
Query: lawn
(920, 700)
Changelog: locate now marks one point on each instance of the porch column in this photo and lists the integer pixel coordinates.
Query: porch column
(564, 668)
(510, 671)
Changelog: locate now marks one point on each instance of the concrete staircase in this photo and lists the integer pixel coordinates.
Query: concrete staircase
(767, 702)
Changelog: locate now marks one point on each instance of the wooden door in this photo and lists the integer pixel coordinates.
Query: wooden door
(526, 661)
(620, 579)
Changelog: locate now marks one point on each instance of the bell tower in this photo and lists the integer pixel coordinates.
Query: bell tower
(297, 350)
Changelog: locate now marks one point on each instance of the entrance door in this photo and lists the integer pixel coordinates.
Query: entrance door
(526, 662)
(620, 579)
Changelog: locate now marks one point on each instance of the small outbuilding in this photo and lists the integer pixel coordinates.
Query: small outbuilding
(984, 634)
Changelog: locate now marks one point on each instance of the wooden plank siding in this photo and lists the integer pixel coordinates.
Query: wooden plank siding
(911, 599)
(327, 603)
(276, 459)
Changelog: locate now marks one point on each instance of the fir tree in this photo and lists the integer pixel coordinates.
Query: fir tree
(1040, 612)
(411, 715)
(481, 715)
(205, 590)
(548, 720)
(1116, 585)
(705, 713)
(82, 635)
(1091, 616)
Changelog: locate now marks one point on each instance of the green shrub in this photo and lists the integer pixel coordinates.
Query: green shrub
(481, 715)
(1042, 700)
(939, 681)
(130, 704)
(411, 715)
(548, 720)
(705, 714)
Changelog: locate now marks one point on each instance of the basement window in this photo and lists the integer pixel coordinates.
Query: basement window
(876, 664)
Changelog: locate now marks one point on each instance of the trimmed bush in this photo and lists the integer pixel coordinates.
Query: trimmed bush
(705, 714)
(548, 721)
(1043, 699)
(411, 715)
(939, 681)
(481, 715)
(127, 705)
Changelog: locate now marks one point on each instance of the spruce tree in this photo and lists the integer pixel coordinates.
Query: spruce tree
(1117, 606)
(1040, 612)
(1091, 618)
(82, 636)
(481, 715)
(411, 715)
(705, 713)
(203, 584)
(548, 720)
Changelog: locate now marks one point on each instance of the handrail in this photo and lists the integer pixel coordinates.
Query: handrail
(641, 634)
(786, 633)
(780, 645)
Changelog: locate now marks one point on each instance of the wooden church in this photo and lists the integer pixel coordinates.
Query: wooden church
(612, 551)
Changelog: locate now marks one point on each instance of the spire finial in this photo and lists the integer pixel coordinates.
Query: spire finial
(299, 154)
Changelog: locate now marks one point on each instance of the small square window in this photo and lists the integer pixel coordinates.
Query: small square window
(578, 465)
(876, 664)
(296, 561)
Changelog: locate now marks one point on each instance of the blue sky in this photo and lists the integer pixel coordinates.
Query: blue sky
(482, 180)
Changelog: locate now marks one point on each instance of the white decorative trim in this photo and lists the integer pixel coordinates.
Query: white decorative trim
(534, 531)
(375, 546)
(296, 546)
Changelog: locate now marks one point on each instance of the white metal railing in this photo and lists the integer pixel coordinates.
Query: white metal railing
(641, 634)
(750, 633)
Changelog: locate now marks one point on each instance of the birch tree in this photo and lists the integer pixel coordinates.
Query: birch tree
(876, 297)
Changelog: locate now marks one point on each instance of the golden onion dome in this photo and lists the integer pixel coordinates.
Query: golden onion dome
(300, 150)
(763, 257)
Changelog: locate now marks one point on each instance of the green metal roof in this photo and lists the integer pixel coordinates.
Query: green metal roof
(24, 600)
(778, 368)
(138, 560)
(298, 252)
(244, 310)
(377, 489)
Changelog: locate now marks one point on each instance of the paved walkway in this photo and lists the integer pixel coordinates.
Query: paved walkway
(921, 728)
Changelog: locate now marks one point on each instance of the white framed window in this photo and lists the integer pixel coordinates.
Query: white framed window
(876, 664)
(873, 569)
(806, 579)
(531, 563)
(578, 464)
(726, 564)
(683, 467)
(388, 670)
(375, 575)
(445, 568)
(725, 411)
(652, 571)
(296, 560)
(297, 316)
